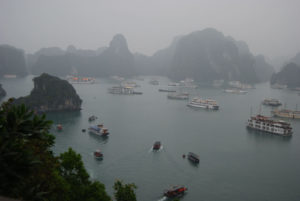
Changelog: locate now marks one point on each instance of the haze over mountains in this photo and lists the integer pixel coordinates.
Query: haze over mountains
(204, 55)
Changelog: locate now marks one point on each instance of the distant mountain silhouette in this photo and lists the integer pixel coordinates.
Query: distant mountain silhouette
(208, 55)
(12, 61)
(289, 76)
(71, 49)
(205, 56)
(114, 60)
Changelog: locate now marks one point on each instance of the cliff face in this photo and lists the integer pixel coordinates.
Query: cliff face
(205, 56)
(12, 61)
(2, 92)
(289, 76)
(51, 94)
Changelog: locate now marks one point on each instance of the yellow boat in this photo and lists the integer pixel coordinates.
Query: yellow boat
(292, 114)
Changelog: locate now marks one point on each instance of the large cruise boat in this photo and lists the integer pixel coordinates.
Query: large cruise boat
(271, 102)
(266, 124)
(284, 113)
(203, 103)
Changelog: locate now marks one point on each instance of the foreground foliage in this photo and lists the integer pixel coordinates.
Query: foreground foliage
(28, 168)
(124, 192)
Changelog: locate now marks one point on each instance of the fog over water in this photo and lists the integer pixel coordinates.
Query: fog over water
(269, 27)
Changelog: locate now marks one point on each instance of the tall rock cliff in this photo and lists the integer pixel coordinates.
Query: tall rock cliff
(51, 94)
(208, 55)
(12, 61)
(289, 76)
(117, 59)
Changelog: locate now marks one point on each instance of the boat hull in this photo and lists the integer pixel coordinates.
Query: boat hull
(269, 132)
(210, 107)
(100, 133)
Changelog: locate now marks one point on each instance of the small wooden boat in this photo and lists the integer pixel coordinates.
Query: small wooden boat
(193, 157)
(59, 127)
(99, 130)
(92, 118)
(175, 191)
(98, 154)
(156, 145)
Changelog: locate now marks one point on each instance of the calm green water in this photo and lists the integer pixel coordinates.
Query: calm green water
(235, 164)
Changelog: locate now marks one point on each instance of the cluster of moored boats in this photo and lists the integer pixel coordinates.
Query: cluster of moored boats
(270, 125)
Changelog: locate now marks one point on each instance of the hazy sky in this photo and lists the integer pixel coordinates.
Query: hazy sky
(270, 27)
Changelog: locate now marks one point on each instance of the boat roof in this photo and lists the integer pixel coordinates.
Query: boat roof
(172, 188)
(95, 128)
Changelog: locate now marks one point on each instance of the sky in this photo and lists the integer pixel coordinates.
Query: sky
(269, 27)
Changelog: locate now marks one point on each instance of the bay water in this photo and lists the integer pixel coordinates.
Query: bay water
(235, 163)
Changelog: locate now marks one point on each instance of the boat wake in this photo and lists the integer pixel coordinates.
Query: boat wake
(162, 199)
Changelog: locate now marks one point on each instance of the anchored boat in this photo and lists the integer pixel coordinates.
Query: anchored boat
(292, 114)
(193, 157)
(92, 118)
(266, 124)
(271, 102)
(203, 103)
(99, 130)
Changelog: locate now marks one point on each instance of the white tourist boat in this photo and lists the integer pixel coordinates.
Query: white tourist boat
(266, 124)
(203, 103)
(271, 102)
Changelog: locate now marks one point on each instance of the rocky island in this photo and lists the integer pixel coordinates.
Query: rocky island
(51, 93)
(288, 76)
(2, 92)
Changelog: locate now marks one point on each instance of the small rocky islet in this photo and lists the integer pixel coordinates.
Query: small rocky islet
(51, 93)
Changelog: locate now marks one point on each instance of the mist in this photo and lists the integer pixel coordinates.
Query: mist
(268, 27)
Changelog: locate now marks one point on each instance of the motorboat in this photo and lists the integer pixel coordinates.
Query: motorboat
(175, 191)
(156, 145)
(98, 154)
(193, 157)
(98, 130)
(59, 127)
(92, 118)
